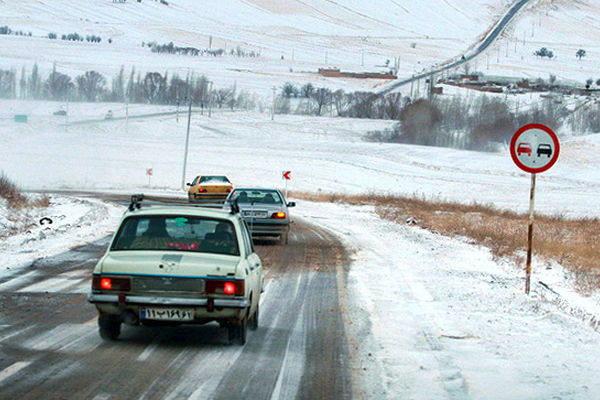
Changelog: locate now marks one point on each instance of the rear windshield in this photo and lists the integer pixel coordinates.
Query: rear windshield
(214, 179)
(177, 233)
(257, 196)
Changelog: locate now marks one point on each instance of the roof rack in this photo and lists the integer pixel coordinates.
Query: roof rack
(136, 203)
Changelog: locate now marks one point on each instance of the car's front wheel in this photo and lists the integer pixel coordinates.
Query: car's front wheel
(109, 327)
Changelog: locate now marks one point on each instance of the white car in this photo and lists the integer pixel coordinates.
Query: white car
(265, 210)
(178, 264)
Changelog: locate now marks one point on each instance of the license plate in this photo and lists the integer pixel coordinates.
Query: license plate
(167, 314)
(255, 214)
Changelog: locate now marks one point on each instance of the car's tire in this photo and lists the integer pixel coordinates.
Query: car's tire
(253, 322)
(283, 238)
(243, 329)
(109, 327)
(238, 332)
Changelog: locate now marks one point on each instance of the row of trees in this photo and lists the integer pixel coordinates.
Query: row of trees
(5, 30)
(151, 87)
(170, 48)
(482, 123)
(486, 123)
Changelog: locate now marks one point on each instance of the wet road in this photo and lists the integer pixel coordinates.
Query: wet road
(50, 347)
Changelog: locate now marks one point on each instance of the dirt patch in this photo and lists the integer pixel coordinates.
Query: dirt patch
(574, 243)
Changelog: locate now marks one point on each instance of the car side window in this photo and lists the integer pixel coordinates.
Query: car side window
(247, 238)
(195, 181)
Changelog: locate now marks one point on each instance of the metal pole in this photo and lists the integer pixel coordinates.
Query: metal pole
(67, 116)
(530, 235)
(187, 142)
(210, 99)
(273, 109)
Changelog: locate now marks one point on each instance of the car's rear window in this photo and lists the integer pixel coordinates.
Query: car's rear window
(214, 179)
(177, 233)
(257, 196)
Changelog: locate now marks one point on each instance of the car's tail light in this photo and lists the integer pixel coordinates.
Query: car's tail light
(278, 215)
(229, 190)
(229, 288)
(201, 190)
(111, 283)
(217, 286)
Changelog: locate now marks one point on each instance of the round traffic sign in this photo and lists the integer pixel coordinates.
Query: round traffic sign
(534, 148)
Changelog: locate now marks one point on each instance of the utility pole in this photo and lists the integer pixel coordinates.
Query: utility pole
(67, 116)
(273, 109)
(126, 115)
(187, 142)
(209, 98)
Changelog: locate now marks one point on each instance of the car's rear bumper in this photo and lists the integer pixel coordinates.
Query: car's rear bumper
(207, 196)
(267, 228)
(235, 302)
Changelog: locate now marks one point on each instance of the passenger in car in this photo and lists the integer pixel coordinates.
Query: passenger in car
(269, 199)
(155, 237)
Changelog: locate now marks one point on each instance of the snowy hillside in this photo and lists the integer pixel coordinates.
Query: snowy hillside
(294, 37)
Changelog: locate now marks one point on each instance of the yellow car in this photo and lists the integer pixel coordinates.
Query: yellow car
(209, 188)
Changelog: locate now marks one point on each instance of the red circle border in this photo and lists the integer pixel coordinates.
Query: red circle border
(541, 127)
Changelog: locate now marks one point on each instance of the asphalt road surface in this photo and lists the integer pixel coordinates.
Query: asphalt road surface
(50, 347)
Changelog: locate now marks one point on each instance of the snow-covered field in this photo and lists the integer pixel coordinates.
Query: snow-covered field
(66, 223)
(295, 38)
(324, 155)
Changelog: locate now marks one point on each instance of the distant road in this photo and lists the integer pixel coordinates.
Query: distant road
(489, 39)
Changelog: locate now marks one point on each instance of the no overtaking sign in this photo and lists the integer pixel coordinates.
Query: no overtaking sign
(534, 148)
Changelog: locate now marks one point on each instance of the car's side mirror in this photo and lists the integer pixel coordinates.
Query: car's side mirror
(189, 184)
(291, 204)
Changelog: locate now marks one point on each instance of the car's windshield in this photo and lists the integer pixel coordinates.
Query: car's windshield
(257, 196)
(177, 233)
(214, 179)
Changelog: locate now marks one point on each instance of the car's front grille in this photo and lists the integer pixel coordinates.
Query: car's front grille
(167, 284)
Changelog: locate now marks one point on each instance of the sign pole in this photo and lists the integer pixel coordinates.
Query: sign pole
(534, 148)
(530, 235)
(187, 142)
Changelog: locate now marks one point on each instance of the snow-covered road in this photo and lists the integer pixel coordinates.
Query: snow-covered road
(436, 318)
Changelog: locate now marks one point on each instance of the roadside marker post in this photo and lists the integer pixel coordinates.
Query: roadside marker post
(149, 173)
(286, 176)
(534, 148)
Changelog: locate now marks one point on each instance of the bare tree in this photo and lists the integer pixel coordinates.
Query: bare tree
(58, 85)
(154, 87)
(392, 105)
(8, 84)
(307, 90)
(322, 98)
(90, 85)
(222, 96)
